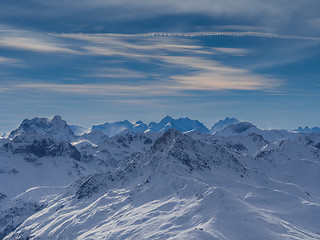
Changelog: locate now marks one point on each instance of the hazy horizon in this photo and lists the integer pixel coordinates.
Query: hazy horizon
(208, 125)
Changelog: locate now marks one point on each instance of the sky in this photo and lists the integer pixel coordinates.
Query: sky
(93, 61)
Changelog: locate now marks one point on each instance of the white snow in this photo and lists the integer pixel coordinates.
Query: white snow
(240, 183)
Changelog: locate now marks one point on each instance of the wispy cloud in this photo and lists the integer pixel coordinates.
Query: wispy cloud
(232, 51)
(32, 41)
(10, 61)
(211, 75)
(206, 76)
(191, 66)
(195, 69)
(122, 73)
(33, 44)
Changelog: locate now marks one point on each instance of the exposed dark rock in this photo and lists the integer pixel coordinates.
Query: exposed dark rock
(46, 147)
(91, 185)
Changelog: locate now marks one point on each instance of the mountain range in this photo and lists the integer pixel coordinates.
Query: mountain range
(184, 125)
(174, 179)
(306, 129)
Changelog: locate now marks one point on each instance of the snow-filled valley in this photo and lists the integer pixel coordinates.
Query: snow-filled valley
(175, 179)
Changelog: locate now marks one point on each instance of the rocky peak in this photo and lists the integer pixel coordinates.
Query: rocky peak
(56, 127)
(169, 138)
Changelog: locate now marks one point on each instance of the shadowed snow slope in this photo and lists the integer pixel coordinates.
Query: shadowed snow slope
(240, 183)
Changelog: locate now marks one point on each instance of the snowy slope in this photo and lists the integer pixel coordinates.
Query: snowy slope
(240, 183)
(201, 193)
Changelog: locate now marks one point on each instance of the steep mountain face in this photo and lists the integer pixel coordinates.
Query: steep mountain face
(56, 128)
(35, 145)
(221, 124)
(41, 137)
(240, 183)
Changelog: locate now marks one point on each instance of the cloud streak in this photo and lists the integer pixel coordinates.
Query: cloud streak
(31, 41)
(10, 61)
(189, 66)
(211, 75)
(285, 17)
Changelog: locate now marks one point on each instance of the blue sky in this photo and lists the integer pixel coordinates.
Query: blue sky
(106, 60)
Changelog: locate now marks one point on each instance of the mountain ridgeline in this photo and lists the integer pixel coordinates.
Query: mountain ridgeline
(175, 179)
(183, 125)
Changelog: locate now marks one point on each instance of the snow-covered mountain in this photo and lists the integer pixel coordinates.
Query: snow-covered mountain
(181, 124)
(55, 127)
(221, 124)
(240, 183)
(78, 130)
(111, 129)
(246, 128)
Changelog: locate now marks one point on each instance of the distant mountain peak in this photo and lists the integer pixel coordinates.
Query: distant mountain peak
(57, 118)
(111, 129)
(306, 129)
(221, 124)
(166, 119)
(182, 124)
(56, 127)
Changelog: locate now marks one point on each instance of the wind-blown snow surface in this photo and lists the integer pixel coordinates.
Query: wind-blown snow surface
(240, 183)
